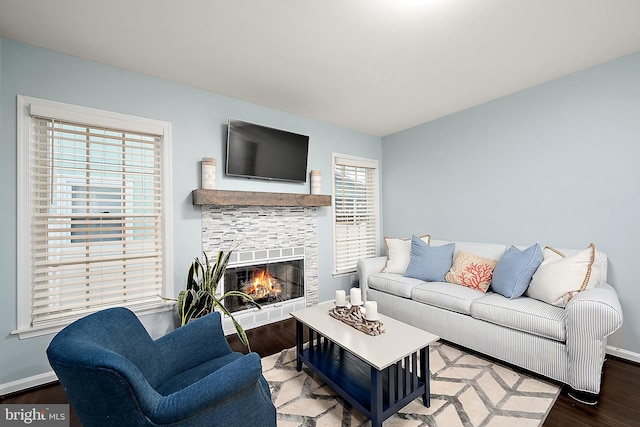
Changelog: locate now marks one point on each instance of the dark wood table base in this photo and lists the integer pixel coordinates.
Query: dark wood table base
(376, 394)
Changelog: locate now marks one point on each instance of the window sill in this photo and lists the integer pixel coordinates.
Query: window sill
(344, 274)
(54, 328)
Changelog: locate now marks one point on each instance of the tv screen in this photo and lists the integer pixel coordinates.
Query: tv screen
(255, 151)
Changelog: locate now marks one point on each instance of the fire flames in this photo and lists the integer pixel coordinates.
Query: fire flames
(262, 285)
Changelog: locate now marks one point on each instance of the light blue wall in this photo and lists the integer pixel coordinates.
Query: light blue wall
(199, 130)
(556, 164)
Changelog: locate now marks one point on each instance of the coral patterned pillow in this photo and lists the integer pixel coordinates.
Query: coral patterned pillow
(471, 270)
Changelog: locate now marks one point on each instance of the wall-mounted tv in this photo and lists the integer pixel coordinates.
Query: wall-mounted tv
(255, 151)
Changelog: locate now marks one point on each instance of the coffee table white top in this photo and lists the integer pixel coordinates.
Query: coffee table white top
(380, 351)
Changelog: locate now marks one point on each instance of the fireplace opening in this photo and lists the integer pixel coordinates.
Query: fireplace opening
(268, 283)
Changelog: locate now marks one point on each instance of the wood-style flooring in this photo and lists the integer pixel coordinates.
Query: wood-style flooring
(619, 403)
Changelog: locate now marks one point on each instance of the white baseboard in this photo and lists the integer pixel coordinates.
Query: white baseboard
(26, 383)
(623, 354)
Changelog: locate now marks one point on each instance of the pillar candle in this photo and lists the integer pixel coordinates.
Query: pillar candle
(341, 299)
(356, 296)
(208, 173)
(371, 310)
(316, 182)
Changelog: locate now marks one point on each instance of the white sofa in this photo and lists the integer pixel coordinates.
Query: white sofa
(564, 344)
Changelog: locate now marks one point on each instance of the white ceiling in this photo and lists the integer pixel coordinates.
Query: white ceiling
(377, 66)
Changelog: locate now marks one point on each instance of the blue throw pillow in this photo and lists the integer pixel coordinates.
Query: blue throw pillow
(429, 263)
(514, 270)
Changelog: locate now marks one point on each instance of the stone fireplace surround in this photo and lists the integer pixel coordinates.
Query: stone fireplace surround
(246, 228)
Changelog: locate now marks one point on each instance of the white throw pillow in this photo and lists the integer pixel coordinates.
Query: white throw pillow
(559, 277)
(399, 254)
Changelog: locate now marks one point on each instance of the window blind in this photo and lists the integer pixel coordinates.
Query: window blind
(96, 219)
(355, 212)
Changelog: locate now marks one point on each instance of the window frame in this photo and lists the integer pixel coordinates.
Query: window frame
(357, 162)
(28, 106)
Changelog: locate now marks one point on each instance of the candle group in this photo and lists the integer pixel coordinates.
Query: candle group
(355, 296)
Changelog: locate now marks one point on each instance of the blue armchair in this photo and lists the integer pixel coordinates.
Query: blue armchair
(115, 374)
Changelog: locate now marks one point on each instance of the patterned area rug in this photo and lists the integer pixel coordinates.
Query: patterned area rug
(466, 390)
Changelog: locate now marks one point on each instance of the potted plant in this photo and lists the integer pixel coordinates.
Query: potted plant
(201, 295)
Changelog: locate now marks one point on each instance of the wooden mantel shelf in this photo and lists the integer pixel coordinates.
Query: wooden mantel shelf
(253, 198)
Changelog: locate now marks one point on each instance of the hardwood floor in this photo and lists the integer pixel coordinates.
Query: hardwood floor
(619, 403)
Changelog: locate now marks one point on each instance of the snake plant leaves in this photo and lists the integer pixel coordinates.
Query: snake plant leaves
(199, 296)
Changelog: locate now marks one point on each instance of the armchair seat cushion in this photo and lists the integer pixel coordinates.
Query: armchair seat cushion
(195, 374)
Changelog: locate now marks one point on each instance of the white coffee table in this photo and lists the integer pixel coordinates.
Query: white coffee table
(378, 375)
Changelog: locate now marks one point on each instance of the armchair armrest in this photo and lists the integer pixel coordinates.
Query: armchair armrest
(230, 380)
(194, 343)
(592, 315)
(366, 267)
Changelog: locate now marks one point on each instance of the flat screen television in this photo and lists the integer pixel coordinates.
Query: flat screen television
(255, 151)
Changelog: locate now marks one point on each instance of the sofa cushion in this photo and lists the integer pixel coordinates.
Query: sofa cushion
(472, 271)
(514, 270)
(560, 276)
(429, 263)
(393, 284)
(399, 254)
(446, 295)
(523, 314)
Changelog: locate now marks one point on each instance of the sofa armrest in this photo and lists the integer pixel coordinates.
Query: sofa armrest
(598, 308)
(365, 268)
(592, 315)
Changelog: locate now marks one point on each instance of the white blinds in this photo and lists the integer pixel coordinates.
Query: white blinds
(355, 210)
(96, 219)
